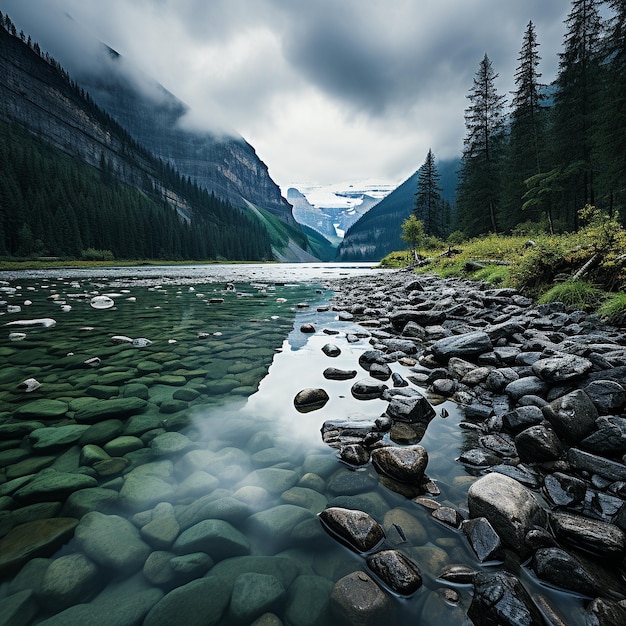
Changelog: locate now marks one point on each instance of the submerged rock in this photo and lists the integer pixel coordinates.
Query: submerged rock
(356, 600)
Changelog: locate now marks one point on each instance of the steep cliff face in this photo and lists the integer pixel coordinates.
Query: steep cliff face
(228, 166)
(34, 95)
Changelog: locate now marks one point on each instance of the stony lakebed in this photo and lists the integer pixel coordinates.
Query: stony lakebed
(306, 445)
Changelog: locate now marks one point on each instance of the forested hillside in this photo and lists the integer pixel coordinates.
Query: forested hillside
(535, 163)
(74, 183)
(531, 164)
(53, 205)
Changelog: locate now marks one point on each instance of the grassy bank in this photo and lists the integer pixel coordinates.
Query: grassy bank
(585, 270)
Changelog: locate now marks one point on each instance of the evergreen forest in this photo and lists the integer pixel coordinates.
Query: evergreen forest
(54, 205)
(531, 165)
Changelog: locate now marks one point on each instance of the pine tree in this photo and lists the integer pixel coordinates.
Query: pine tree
(610, 145)
(575, 105)
(525, 155)
(478, 192)
(428, 205)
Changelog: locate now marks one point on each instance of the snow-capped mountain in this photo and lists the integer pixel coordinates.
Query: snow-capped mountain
(332, 209)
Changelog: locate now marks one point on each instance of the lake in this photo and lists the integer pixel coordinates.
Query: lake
(162, 409)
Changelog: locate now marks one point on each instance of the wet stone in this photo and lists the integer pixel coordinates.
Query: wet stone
(53, 485)
(509, 506)
(572, 416)
(380, 371)
(396, 571)
(333, 373)
(538, 444)
(43, 439)
(366, 389)
(607, 396)
(202, 601)
(19, 608)
(411, 409)
(522, 417)
(253, 594)
(448, 516)
(310, 400)
(38, 538)
(42, 409)
(500, 598)
(331, 350)
(354, 454)
(68, 580)
(594, 535)
(217, 538)
(607, 468)
(116, 408)
(406, 464)
(483, 539)
(359, 530)
(356, 600)
(609, 438)
(563, 490)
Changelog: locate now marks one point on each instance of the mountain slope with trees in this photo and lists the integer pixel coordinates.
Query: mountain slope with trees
(72, 180)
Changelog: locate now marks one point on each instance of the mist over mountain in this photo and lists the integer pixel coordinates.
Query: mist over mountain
(221, 193)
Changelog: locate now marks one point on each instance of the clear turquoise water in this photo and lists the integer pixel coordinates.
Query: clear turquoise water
(244, 359)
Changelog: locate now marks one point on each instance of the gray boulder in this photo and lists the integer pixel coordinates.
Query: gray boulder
(465, 345)
(510, 507)
(561, 368)
(572, 416)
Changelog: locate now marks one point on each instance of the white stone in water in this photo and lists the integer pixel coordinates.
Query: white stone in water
(14, 308)
(101, 302)
(121, 339)
(171, 341)
(141, 342)
(66, 308)
(131, 299)
(281, 300)
(30, 384)
(17, 336)
(93, 362)
(27, 302)
(43, 322)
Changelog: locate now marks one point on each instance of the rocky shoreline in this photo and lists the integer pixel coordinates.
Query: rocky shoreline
(542, 390)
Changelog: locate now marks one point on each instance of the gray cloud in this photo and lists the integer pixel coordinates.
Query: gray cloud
(326, 90)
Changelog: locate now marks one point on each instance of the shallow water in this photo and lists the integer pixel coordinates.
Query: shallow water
(225, 362)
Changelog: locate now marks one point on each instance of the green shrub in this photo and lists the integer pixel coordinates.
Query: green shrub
(580, 295)
(613, 310)
(91, 254)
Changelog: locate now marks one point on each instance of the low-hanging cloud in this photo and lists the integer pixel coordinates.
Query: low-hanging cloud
(326, 90)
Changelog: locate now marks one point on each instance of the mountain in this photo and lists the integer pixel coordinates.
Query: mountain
(332, 209)
(226, 165)
(214, 183)
(379, 231)
(72, 176)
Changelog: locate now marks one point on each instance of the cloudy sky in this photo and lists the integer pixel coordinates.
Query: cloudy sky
(326, 91)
